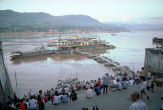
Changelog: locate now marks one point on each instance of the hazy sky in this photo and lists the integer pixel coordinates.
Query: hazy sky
(103, 10)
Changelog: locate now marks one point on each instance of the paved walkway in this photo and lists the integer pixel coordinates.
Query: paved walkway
(119, 100)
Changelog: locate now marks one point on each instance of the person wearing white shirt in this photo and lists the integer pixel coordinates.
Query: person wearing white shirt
(56, 98)
(149, 75)
(143, 88)
(66, 90)
(13, 107)
(131, 82)
(89, 93)
(32, 104)
(87, 85)
(138, 104)
(51, 91)
(92, 84)
(114, 85)
(119, 85)
(27, 104)
(119, 77)
(59, 90)
(29, 93)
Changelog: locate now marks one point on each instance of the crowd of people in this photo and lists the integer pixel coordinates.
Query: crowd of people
(66, 91)
(147, 83)
(96, 87)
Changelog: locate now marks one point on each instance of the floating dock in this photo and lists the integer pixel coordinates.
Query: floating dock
(117, 68)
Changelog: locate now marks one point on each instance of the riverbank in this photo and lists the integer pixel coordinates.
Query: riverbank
(119, 100)
(51, 33)
(28, 33)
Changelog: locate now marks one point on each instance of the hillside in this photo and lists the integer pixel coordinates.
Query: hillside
(11, 21)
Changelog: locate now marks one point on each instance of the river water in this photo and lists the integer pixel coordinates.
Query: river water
(43, 72)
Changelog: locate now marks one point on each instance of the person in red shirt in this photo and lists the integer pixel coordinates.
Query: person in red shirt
(99, 82)
(95, 83)
(46, 99)
(22, 105)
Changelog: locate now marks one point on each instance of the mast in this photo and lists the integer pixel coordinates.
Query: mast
(59, 37)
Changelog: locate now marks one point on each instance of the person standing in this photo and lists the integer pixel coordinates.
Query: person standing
(29, 94)
(87, 85)
(142, 73)
(119, 77)
(105, 83)
(99, 82)
(137, 81)
(138, 104)
(95, 83)
(124, 82)
(143, 88)
(119, 85)
(40, 101)
(149, 75)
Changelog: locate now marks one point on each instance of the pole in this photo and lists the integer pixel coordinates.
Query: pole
(0, 46)
(133, 66)
(16, 79)
(16, 82)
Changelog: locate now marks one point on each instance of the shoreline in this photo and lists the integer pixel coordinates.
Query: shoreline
(45, 33)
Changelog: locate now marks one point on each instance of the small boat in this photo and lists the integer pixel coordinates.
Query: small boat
(113, 34)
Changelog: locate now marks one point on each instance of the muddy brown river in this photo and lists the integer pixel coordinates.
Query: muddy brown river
(43, 72)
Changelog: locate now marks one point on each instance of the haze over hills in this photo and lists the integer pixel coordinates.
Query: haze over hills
(148, 24)
(11, 21)
(139, 27)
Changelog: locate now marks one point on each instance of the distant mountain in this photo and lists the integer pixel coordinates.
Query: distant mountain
(143, 27)
(155, 20)
(150, 24)
(9, 17)
(11, 21)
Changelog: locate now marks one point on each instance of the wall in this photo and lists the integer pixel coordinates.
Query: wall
(6, 91)
(154, 60)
